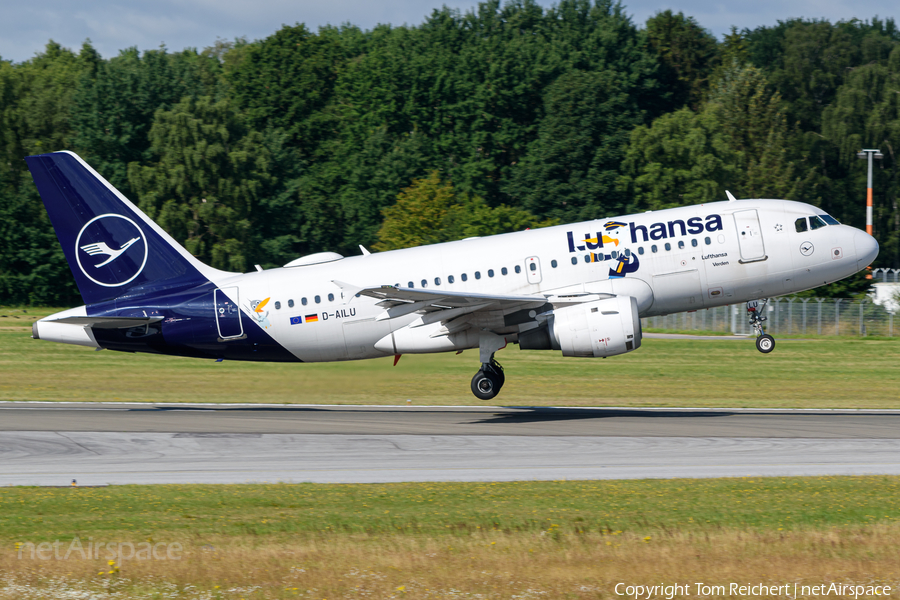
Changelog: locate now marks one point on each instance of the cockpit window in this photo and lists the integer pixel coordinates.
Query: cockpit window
(816, 223)
(829, 219)
(800, 224)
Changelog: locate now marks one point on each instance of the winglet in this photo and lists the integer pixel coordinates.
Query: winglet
(350, 291)
(364, 251)
(730, 197)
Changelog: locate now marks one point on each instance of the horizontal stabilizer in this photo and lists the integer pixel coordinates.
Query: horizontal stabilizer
(107, 322)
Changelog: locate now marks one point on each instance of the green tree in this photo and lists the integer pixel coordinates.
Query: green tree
(688, 55)
(430, 211)
(756, 126)
(866, 114)
(115, 102)
(35, 109)
(683, 158)
(740, 141)
(570, 170)
(807, 61)
(287, 80)
(208, 186)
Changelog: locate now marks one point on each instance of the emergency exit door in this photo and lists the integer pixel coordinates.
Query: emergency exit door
(749, 235)
(533, 269)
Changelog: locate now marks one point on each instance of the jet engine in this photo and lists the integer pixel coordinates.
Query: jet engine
(595, 329)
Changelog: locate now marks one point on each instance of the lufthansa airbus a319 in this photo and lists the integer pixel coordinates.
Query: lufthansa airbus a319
(579, 288)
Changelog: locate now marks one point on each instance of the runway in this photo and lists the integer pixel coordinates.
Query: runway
(96, 444)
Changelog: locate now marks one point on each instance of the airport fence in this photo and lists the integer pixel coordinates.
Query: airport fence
(786, 316)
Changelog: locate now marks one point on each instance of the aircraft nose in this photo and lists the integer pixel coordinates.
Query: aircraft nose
(866, 249)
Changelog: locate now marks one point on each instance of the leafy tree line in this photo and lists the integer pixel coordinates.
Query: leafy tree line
(505, 117)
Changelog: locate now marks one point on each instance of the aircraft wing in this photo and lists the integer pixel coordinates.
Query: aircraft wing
(443, 298)
(458, 308)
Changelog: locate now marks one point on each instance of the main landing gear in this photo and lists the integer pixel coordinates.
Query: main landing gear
(765, 343)
(490, 378)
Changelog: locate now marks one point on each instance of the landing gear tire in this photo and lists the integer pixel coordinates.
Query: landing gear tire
(765, 343)
(486, 384)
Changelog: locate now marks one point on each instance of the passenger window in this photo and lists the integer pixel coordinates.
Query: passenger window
(553, 263)
(653, 248)
(668, 246)
(437, 281)
(614, 254)
(533, 266)
(290, 304)
(694, 242)
(587, 258)
(303, 301)
(277, 305)
(574, 260)
(331, 297)
(318, 299)
(464, 277)
(450, 279)
(800, 225)
(411, 285)
(490, 272)
(518, 269)
(681, 245)
(477, 274)
(707, 241)
(641, 250)
(816, 223)
(424, 283)
(830, 220)
(503, 271)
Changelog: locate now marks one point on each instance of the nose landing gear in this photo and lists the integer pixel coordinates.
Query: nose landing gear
(765, 343)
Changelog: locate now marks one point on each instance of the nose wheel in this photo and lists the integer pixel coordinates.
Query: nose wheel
(488, 380)
(765, 343)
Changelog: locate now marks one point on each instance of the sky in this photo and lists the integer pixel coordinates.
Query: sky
(112, 25)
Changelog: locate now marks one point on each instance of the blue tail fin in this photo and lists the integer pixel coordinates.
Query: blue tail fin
(112, 247)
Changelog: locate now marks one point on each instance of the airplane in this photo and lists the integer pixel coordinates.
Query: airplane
(580, 289)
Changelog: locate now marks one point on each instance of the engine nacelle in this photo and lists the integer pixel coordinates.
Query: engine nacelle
(594, 329)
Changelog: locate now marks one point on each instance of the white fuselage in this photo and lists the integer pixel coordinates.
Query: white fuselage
(728, 260)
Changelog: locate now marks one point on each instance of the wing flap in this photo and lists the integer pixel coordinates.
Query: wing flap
(446, 299)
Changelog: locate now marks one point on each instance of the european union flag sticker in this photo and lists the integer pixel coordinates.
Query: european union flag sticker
(296, 320)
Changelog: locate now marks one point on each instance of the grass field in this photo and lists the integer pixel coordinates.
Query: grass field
(523, 540)
(453, 540)
(821, 373)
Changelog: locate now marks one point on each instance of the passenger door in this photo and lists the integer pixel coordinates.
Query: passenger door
(749, 235)
(533, 269)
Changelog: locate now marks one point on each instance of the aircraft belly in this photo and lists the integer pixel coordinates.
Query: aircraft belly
(422, 340)
(318, 341)
(678, 291)
(360, 337)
